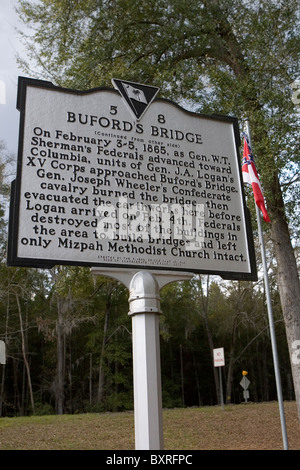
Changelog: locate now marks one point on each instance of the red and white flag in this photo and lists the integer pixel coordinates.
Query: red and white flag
(250, 176)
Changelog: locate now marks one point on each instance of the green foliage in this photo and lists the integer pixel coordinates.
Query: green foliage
(43, 409)
(227, 56)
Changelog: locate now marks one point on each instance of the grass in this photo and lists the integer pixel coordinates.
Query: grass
(237, 427)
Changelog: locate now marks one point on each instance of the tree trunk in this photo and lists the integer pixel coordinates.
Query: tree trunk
(91, 379)
(6, 342)
(16, 400)
(24, 354)
(288, 285)
(287, 273)
(230, 375)
(182, 376)
(197, 380)
(232, 359)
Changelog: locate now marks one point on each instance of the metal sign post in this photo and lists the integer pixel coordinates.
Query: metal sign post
(138, 189)
(2, 353)
(219, 361)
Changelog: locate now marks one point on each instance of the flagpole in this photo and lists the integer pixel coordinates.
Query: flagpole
(270, 316)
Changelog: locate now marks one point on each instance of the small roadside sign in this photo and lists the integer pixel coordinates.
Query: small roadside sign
(245, 383)
(219, 358)
(2, 353)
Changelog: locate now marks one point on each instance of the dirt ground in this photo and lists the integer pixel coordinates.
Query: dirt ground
(237, 427)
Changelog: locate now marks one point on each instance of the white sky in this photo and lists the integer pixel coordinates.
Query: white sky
(9, 72)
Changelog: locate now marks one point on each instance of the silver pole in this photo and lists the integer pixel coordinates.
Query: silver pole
(144, 302)
(271, 320)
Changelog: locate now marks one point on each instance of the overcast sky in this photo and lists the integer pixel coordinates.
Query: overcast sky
(9, 72)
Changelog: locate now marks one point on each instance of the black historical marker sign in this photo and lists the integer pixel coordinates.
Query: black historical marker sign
(119, 178)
